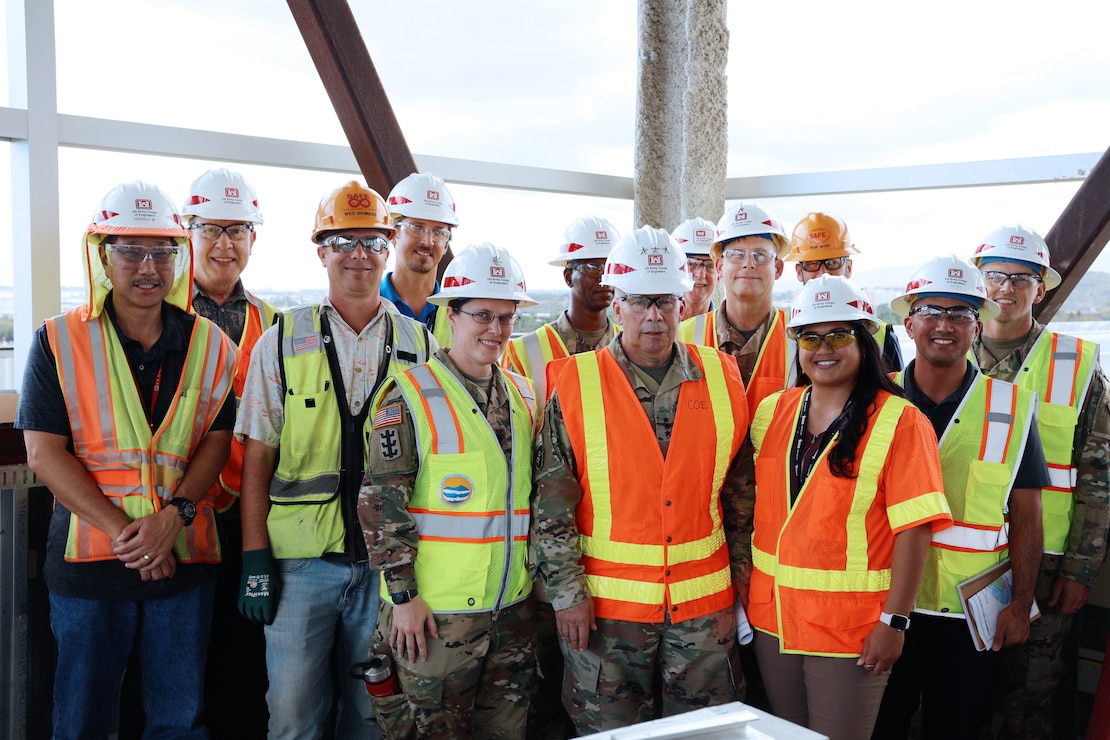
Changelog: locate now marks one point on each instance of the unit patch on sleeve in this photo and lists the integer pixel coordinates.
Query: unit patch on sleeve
(390, 444)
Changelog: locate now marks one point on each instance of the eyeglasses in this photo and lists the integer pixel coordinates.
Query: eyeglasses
(135, 256)
(594, 271)
(693, 264)
(832, 263)
(485, 317)
(346, 244)
(643, 303)
(438, 235)
(235, 232)
(834, 339)
(1017, 279)
(955, 314)
(739, 256)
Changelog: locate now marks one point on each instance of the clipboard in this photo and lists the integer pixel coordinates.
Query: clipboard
(983, 596)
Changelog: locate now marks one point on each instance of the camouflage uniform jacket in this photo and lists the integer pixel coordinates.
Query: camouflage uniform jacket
(574, 341)
(1086, 547)
(557, 491)
(746, 351)
(388, 527)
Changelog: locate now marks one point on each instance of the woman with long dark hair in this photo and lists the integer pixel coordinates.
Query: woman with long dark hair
(848, 492)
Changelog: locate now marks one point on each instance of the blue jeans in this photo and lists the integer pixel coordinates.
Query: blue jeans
(323, 625)
(95, 639)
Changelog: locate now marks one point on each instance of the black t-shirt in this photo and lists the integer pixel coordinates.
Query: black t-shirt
(1032, 469)
(42, 409)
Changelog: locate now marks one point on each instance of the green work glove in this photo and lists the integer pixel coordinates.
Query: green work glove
(259, 587)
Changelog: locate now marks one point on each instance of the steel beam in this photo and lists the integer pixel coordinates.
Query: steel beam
(339, 53)
(1078, 236)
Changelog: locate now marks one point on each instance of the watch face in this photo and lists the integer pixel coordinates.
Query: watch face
(899, 622)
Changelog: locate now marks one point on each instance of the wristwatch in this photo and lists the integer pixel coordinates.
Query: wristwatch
(186, 508)
(403, 597)
(898, 622)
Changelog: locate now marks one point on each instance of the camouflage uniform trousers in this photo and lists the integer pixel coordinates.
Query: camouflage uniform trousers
(1027, 677)
(547, 718)
(614, 682)
(477, 679)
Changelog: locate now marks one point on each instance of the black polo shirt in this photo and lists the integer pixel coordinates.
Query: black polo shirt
(42, 409)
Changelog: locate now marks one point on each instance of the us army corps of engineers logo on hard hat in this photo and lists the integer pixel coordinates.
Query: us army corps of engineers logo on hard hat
(656, 261)
(456, 490)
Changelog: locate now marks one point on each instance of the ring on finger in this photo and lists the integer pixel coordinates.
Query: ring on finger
(146, 556)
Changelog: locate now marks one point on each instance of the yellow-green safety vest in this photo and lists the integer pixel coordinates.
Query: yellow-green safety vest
(1059, 369)
(980, 451)
(306, 514)
(471, 507)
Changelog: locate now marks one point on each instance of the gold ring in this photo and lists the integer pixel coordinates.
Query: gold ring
(146, 556)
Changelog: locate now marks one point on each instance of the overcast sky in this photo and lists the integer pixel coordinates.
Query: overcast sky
(812, 86)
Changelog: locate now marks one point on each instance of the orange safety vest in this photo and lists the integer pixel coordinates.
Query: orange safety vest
(137, 468)
(225, 491)
(774, 367)
(822, 565)
(650, 528)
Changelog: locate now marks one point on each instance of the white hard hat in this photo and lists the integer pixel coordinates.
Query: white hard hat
(588, 238)
(750, 219)
(137, 209)
(695, 236)
(483, 271)
(950, 275)
(647, 261)
(1017, 243)
(423, 195)
(830, 298)
(224, 195)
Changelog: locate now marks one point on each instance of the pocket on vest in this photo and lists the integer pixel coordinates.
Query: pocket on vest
(988, 483)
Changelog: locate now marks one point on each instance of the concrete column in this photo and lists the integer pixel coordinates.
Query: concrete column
(681, 112)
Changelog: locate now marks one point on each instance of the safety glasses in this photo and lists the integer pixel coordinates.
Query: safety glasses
(835, 339)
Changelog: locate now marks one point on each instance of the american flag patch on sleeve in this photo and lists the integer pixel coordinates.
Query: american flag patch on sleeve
(388, 416)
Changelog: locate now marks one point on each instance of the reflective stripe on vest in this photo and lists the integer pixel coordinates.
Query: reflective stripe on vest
(470, 506)
(997, 430)
(529, 355)
(1060, 369)
(260, 315)
(793, 601)
(634, 573)
(306, 518)
(980, 451)
(775, 367)
(441, 327)
(137, 469)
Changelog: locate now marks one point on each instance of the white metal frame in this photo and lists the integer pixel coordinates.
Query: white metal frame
(36, 131)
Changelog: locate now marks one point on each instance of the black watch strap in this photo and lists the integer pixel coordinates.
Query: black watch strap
(403, 597)
(186, 508)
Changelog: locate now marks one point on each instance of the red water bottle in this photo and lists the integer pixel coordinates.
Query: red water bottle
(379, 676)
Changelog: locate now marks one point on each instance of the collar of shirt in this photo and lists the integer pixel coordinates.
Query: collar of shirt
(735, 341)
(389, 293)
(172, 338)
(940, 414)
(682, 367)
(238, 293)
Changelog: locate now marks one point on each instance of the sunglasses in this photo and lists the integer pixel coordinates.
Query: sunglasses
(835, 339)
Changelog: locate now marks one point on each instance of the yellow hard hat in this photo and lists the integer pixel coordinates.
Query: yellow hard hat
(352, 206)
(820, 236)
